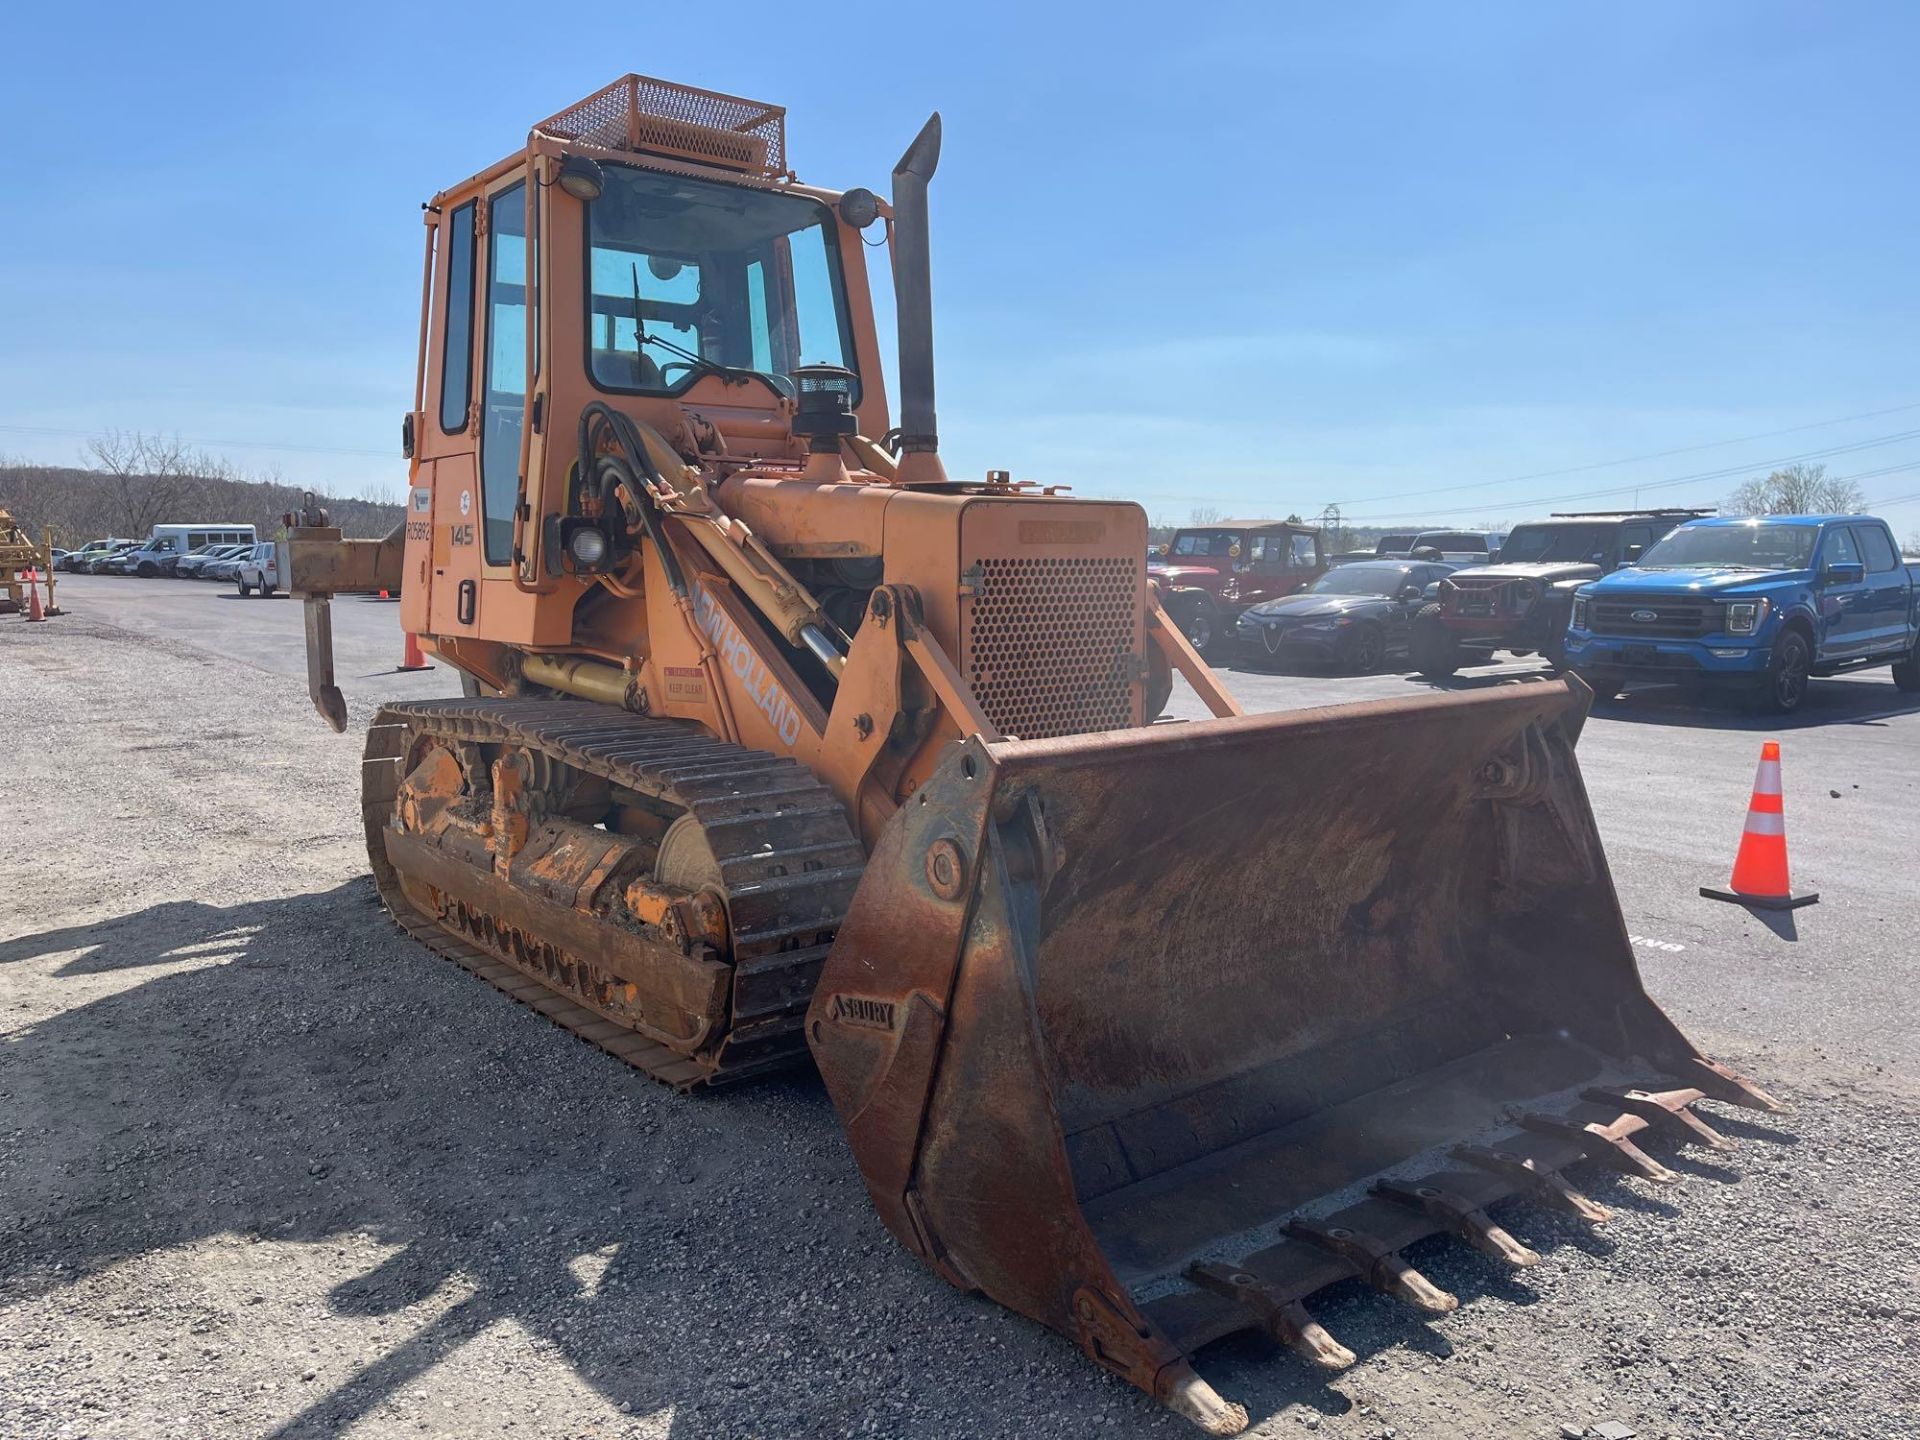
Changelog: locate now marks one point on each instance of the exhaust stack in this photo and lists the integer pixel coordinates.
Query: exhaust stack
(913, 304)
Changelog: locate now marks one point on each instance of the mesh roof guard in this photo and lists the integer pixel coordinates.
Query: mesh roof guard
(658, 117)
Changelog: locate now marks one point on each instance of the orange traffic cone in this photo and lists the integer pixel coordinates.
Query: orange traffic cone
(413, 659)
(1760, 866)
(34, 612)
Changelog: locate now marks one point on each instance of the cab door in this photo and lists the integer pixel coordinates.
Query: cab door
(1882, 605)
(1843, 614)
(445, 470)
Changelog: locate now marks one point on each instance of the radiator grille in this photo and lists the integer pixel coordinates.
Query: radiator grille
(1050, 644)
(1663, 617)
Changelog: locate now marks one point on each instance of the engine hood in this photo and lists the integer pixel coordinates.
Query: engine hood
(1189, 573)
(1314, 607)
(1545, 571)
(1696, 582)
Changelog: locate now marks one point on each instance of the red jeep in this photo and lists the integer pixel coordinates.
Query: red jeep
(1208, 574)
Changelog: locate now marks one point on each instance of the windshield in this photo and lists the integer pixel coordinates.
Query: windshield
(1753, 546)
(1537, 543)
(1362, 580)
(1387, 544)
(686, 274)
(1204, 544)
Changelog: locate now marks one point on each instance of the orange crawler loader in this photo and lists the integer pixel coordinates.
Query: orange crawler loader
(778, 738)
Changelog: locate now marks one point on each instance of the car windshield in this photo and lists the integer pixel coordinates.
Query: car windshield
(1756, 545)
(1361, 580)
(1387, 544)
(686, 276)
(1534, 544)
(1208, 544)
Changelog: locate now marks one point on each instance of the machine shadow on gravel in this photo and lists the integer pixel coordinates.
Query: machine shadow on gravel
(317, 1077)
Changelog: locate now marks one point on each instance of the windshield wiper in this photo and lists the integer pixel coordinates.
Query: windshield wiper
(700, 364)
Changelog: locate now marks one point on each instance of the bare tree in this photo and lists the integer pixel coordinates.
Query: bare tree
(1204, 515)
(1798, 490)
(152, 480)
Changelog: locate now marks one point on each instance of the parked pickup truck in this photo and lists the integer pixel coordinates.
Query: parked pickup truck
(1756, 605)
(1521, 603)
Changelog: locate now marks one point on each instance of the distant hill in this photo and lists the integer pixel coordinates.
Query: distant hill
(82, 505)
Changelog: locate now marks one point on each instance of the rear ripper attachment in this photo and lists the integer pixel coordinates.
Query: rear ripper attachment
(1152, 1035)
(666, 895)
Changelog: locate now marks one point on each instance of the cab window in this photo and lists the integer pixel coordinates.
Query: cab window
(456, 334)
(686, 275)
(1839, 549)
(506, 379)
(1876, 548)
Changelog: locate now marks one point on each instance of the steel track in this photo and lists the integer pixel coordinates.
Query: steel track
(788, 861)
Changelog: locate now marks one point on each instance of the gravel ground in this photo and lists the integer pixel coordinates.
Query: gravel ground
(268, 1168)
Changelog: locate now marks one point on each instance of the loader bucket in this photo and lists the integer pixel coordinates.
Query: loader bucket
(1151, 1034)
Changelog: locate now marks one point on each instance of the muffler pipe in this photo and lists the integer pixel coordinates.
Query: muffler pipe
(913, 304)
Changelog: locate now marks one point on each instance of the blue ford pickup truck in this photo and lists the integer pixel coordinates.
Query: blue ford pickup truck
(1758, 605)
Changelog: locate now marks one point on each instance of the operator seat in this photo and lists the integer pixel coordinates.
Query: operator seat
(628, 369)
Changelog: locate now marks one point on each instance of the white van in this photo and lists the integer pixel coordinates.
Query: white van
(162, 550)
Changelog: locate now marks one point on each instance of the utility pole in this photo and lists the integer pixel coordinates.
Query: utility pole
(1334, 529)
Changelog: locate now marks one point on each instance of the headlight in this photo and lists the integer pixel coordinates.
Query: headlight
(1745, 616)
(1579, 612)
(1524, 594)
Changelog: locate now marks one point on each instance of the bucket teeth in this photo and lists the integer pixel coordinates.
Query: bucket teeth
(1374, 1262)
(1542, 1183)
(1665, 1110)
(1464, 1219)
(1606, 1143)
(1726, 1085)
(1192, 1398)
(1287, 1321)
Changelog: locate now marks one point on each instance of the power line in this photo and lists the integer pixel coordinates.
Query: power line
(1637, 459)
(1695, 478)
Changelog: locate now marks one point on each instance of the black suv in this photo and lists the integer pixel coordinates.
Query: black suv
(1521, 604)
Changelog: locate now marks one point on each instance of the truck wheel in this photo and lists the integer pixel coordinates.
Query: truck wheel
(1362, 650)
(1784, 686)
(145, 570)
(1906, 673)
(1198, 623)
(1435, 653)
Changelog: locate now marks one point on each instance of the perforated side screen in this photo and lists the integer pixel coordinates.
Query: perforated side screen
(1050, 643)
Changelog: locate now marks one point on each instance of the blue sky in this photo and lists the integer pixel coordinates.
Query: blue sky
(1258, 260)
